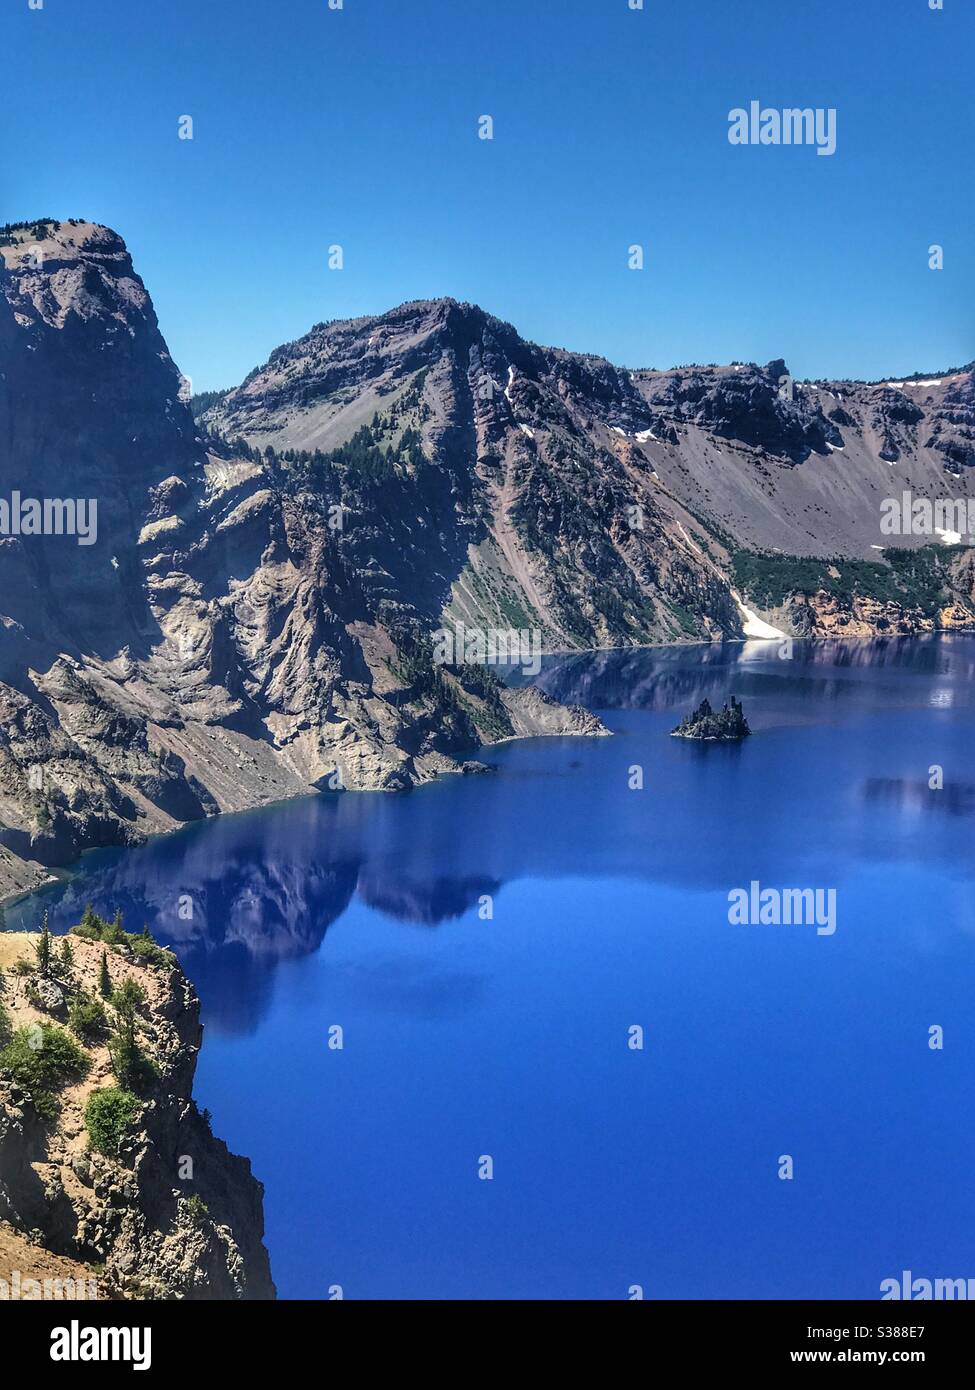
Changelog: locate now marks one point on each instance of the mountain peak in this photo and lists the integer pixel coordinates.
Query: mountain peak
(73, 238)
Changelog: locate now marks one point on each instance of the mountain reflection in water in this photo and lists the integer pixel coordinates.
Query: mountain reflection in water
(240, 893)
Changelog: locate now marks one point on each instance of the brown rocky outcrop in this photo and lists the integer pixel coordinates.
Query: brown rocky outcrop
(174, 1214)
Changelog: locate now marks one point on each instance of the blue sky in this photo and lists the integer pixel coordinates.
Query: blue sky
(359, 127)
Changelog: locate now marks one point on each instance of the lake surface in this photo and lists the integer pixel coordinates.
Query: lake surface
(508, 1036)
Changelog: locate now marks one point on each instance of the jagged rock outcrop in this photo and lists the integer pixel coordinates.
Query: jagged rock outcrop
(494, 482)
(219, 643)
(714, 726)
(172, 1214)
(255, 616)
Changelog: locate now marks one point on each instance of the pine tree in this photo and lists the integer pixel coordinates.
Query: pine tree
(123, 1050)
(67, 954)
(43, 948)
(104, 979)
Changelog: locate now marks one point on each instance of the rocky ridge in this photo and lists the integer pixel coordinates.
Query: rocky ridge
(216, 648)
(255, 618)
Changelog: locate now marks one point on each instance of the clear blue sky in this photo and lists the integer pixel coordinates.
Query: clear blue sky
(358, 127)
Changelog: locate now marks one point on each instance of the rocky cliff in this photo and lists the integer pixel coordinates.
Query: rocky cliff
(256, 615)
(153, 1204)
(609, 507)
(220, 643)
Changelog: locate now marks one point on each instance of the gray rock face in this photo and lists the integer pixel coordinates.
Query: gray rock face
(804, 472)
(256, 616)
(220, 644)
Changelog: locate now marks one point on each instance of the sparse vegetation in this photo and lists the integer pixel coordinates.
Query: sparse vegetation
(43, 948)
(108, 1117)
(195, 1209)
(42, 1059)
(713, 725)
(131, 1066)
(911, 578)
(87, 1017)
(129, 997)
(140, 945)
(202, 401)
(145, 949)
(90, 925)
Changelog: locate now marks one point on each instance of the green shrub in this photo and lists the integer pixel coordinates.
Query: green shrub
(112, 932)
(5, 1029)
(128, 997)
(43, 1059)
(90, 926)
(87, 1017)
(132, 1068)
(146, 950)
(195, 1209)
(108, 1115)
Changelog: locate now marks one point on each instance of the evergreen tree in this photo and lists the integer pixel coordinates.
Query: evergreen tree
(104, 978)
(43, 948)
(67, 954)
(123, 1050)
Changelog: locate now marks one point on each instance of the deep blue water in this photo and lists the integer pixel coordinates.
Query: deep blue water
(508, 1037)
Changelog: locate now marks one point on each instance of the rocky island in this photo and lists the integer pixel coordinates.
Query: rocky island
(709, 726)
(110, 1176)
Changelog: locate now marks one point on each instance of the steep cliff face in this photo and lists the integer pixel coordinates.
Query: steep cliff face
(218, 643)
(603, 506)
(168, 1212)
(487, 480)
(254, 617)
(803, 467)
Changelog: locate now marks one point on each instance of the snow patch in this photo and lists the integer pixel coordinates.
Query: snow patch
(753, 625)
(688, 539)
